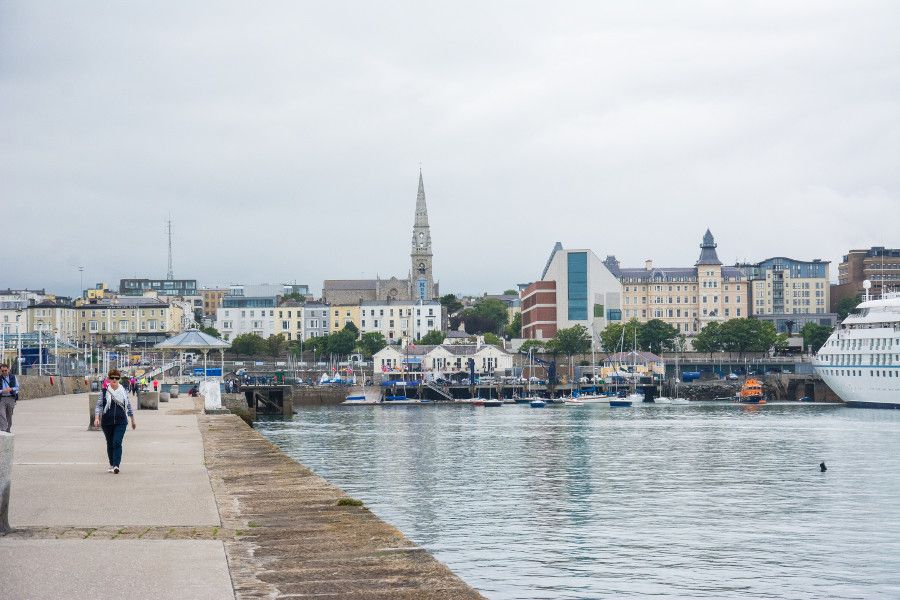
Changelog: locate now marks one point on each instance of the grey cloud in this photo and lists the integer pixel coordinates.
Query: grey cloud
(285, 138)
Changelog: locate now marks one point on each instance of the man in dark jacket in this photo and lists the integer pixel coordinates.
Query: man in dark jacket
(9, 393)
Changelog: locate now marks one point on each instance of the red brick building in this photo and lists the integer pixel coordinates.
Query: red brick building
(539, 310)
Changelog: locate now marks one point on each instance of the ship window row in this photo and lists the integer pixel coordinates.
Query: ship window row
(868, 343)
(855, 373)
(857, 359)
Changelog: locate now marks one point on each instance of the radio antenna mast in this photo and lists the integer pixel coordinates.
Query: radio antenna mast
(170, 274)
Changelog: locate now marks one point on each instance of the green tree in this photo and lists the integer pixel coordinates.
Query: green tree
(451, 303)
(655, 335)
(709, 339)
(493, 310)
(432, 338)
(295, 296)
(492, 339)
(572, 340)
(514, 329)
(248, 344)
(340, 342)
(351, 329)
(534, 345)
(275, 345)
(747, 335)
(814, 335)
(318, 344)
(611, 338)
(370, 343)
(846, 306)
(510, 292)
(211, 331)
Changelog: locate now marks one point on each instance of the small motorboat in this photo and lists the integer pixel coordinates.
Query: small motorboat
(538, 404)
(573, 401)
(619, 402)
(680, 401)
(494, 403)
(662, 400)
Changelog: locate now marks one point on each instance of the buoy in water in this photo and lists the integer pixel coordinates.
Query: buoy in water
(822, 467)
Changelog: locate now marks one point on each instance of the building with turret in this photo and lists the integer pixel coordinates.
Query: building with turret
(418, 285)
(685, 297)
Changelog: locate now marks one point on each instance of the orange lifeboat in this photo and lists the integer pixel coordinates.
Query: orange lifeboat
(751, 392)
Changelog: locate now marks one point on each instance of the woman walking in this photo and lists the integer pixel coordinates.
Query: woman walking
(112, 414)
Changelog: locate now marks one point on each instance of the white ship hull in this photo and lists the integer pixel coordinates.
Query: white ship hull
(860, 362)
(863, 390)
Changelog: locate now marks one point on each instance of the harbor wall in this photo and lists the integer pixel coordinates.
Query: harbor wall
(41, 386)
(299, 536)
(312, 396)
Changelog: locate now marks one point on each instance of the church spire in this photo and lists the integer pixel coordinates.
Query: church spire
(421, 279)
(421, 207)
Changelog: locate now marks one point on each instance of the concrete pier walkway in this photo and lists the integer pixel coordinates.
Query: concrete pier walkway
(80, 532)
(204, 507)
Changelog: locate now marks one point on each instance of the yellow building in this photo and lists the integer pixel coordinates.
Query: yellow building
(126, 320)
(98, 292)
(212, 300)
(685, 297)
(53, 318)
(791, 293)
(343, 314)
(289, 320)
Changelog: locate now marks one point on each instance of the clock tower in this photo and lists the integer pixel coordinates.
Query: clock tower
(421, 280)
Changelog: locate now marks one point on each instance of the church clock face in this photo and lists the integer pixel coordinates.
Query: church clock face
(421, 267)
(421, 239)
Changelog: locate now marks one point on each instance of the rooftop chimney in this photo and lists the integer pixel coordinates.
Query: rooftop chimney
(648, 264)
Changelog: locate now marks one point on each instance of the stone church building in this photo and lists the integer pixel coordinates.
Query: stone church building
(418, 285)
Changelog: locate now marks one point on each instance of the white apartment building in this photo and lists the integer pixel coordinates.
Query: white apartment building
(401, 321)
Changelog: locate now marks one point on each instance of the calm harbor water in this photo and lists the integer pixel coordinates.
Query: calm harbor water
(699, 501)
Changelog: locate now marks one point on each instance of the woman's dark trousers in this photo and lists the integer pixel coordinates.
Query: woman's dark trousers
(114, 433)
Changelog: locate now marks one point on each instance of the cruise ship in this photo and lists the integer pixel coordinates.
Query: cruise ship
(860, 361)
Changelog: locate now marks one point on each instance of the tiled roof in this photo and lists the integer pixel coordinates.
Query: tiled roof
(454, 349)
(125, 302)
(350, 284)
(192, 339)
(399, 303)
(51, 304)
(671, 273)
(629, 357)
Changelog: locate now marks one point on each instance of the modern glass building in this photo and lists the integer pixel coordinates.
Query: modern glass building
(163, 287)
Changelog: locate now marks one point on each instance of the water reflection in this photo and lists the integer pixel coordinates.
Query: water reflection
(586, 502)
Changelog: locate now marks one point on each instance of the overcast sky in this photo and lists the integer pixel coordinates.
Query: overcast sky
(285, 139)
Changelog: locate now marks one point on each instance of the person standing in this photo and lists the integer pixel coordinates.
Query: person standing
(112, 414)
(9, 395)
(155, 385)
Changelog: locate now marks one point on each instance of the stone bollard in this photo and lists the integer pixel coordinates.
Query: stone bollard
(93, 399)
(149, 400)
(6, 463)
(173, 391)
(163, 396)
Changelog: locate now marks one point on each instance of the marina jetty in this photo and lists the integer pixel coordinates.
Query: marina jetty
(204, 507)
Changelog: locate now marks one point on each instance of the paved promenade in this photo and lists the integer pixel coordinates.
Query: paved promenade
(204, 508)
(84, 533)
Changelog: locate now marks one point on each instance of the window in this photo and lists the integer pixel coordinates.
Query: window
(577, 288)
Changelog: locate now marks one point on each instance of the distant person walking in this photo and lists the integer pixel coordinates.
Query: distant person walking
(9, 394)
(112, 414)
(133, 383)
(155, 385)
